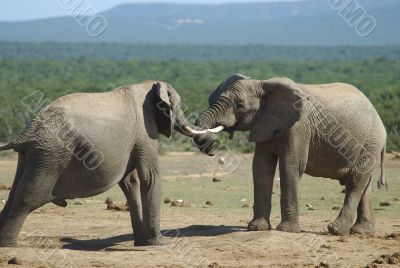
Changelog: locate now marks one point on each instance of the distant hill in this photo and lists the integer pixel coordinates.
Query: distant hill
(311, 22)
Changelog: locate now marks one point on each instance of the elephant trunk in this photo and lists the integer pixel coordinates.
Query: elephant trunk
(210, 118)
(205, 122)
(181, 123)
(183, 126)
(206, 119)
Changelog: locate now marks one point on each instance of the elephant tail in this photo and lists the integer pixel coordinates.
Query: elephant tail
(26, 136)
(7, 146)
(382, 180)
(16, 144)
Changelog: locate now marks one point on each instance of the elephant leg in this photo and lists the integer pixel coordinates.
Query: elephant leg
(30, 193)
(18, 175)
(264, 166)
(355, 188)
(292, 163)
(130, 185)
(147, 166)
(293, 158)
(290, 179)
(365, 223)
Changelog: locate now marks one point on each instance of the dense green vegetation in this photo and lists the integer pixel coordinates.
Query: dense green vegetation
(193, 80)
(104, 51)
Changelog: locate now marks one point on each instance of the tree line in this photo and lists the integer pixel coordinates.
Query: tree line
(107, 51)
(39, 80)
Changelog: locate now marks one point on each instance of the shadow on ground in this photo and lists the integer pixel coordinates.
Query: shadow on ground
(99, 244)
(202, 230)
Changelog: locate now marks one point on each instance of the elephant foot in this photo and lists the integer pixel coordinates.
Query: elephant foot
(289, 226)
(259, 225)
(156, 241)
(363, 227)
(338, 228)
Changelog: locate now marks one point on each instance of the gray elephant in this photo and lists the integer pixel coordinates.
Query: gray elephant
(83, 144)
(329, 130)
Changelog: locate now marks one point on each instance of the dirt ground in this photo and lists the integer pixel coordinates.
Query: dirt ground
(86, 234)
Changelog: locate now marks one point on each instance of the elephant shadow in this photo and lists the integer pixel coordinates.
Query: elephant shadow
(100, 244)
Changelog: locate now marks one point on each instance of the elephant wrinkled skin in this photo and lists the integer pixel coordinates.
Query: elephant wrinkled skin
(83, 144)
(329, 130)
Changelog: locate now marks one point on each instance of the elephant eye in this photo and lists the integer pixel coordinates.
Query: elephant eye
(239, 106)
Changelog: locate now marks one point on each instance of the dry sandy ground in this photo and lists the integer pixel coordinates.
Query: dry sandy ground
(85, 234)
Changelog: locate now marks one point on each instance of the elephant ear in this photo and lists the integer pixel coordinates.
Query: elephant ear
(163, 109)
(224, 86)
(281, 108)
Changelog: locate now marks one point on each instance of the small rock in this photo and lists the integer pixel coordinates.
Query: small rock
(343, 191)
(243, 200)
(386, 259)
(396, 199)
(385, 204)
(186, 204)
(109, 201)
(167, 200)
(309, 206)
(213, 265)
(4, 187)
(326, 246)
(393, 236)
(208, 202)
(394, 259)
(215, 179)
(15, 261)
(121, 208)
(245, 206)
(78, 203)
(322, 197)
(323, 264)
(112, 206)
(336, 208)
(181, 203)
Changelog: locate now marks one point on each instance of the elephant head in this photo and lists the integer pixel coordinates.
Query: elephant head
(266, 108)
(168, 110)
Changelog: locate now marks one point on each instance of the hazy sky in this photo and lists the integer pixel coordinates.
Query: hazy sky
(12, 10)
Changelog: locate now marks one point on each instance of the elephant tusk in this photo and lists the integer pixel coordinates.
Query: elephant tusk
(198, 132)
(216, 130)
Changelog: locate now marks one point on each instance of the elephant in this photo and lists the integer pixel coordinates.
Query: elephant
(83, 144)
(325, 130)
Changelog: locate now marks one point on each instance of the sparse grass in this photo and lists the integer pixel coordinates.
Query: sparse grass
(228, 194)
(217, 231)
